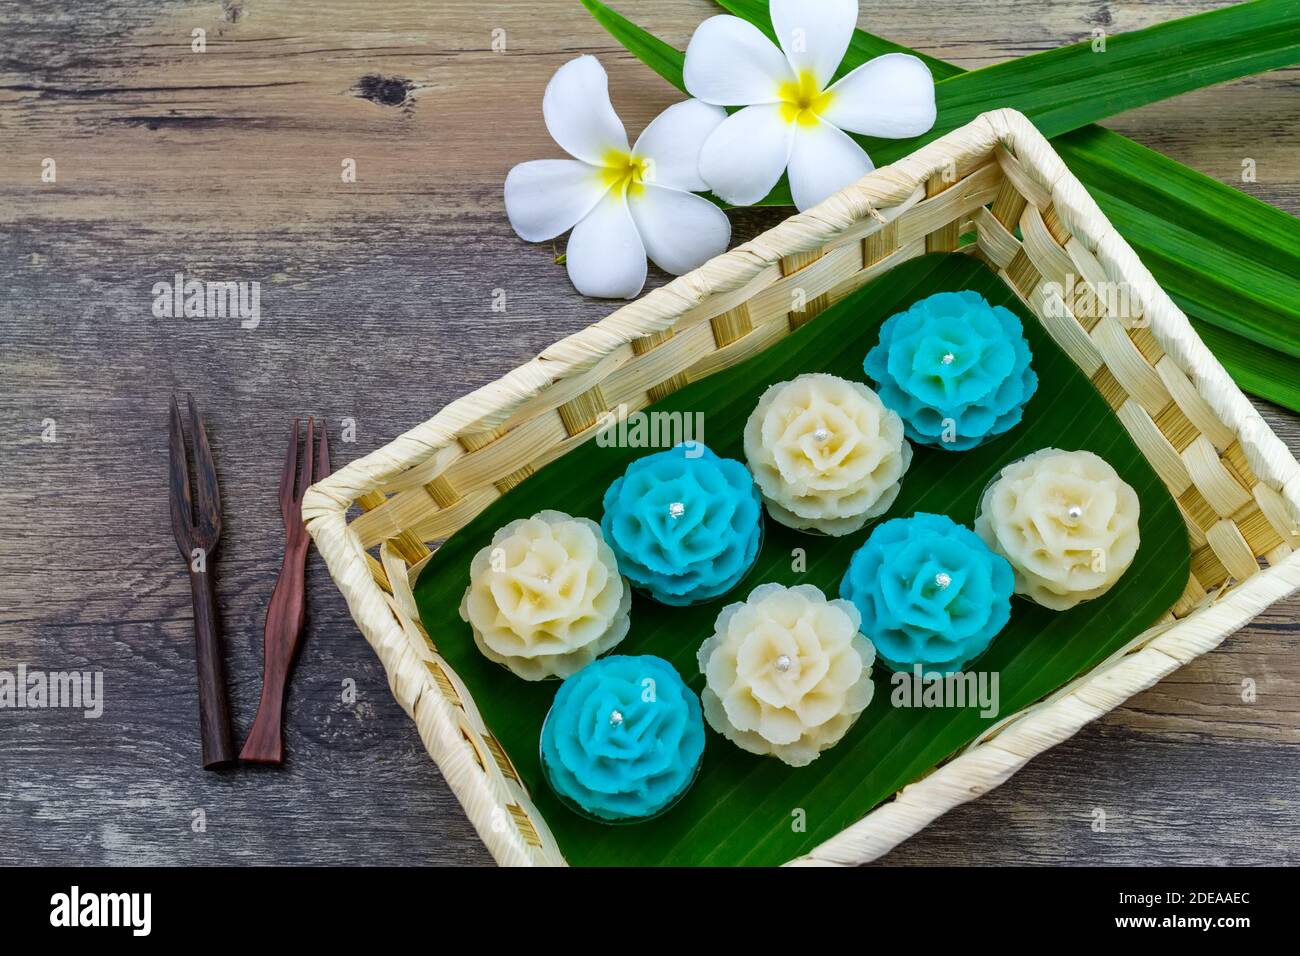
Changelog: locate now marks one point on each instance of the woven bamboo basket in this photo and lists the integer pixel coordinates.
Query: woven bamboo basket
(1237, 485)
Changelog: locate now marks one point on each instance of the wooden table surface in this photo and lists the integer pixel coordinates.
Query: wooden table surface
(376, 311)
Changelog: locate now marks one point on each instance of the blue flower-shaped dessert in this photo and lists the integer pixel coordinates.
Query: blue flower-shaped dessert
(930, 592)
(684, 524)
(623, 739)
(955, 369)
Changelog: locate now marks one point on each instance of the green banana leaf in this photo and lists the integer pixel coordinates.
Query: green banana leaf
(1231, 263)
(745, 809)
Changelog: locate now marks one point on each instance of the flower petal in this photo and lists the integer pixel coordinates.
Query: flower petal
(729, 62)
(547, 196)
(578, 113)
(745, 156)
(605, 256)
(823, 161)
(679, 229)
(814, 35)
(672, 143)
(890, 96)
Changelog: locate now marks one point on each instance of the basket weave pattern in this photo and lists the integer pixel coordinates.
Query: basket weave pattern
(1237, 485)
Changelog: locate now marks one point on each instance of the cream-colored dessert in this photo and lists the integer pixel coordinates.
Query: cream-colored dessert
(1067, 523)
(786, 672)
(826, 454)
(545, 597)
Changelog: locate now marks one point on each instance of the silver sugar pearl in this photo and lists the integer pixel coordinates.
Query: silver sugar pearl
(943, 579)
(821, 435)
(1075, 512)
(783, 663)
(677, 509)
(615, 718)
(948, 358)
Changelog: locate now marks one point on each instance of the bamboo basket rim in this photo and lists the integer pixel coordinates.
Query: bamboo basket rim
(1188, 401)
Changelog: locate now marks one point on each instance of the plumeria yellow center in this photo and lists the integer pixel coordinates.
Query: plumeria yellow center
(802, 99)
(624, 171)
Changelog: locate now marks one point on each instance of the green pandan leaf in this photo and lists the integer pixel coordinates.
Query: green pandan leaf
(1231, 263)
(740, 808)
(649, 49)
(1071, 86)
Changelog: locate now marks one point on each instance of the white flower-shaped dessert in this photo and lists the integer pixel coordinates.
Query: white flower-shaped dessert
(621, 203)
(1067, 523)
(787, 672)
(826, 453)
(545, 597)
(794, 116)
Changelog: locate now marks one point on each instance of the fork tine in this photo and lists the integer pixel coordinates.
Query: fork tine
(289, 471)
(181, 508)
(323, 467)
(305, 478)
(207, 517)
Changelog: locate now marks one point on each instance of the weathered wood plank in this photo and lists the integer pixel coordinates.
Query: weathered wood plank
(376, 307)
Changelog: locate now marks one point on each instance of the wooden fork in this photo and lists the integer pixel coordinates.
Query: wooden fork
(287, 611)
(197, 533)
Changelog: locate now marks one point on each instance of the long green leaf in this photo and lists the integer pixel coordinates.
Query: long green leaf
(664, 59)
(738, 811)
(1231, 262)
(1194, 233)
(1071, 86)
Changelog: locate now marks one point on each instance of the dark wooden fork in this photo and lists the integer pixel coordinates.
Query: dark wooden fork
(197, 532)
(287, 611)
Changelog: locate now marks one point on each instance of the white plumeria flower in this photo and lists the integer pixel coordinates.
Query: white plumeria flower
(621, 203)
(792, 118)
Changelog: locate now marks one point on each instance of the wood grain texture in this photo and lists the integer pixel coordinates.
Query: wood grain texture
(376, 302)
